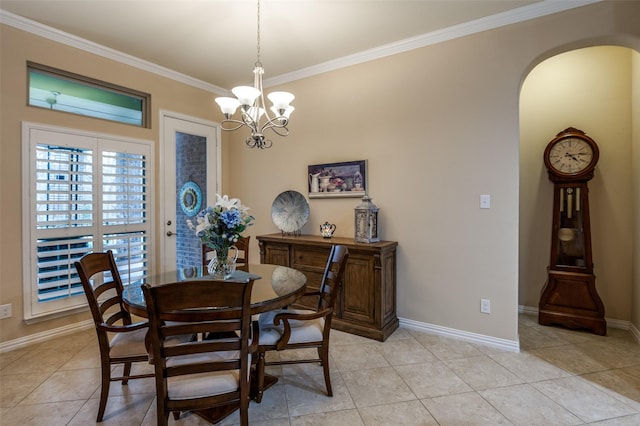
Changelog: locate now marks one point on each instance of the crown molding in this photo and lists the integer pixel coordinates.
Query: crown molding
(514, 16)
(525, 13)
(62, 37)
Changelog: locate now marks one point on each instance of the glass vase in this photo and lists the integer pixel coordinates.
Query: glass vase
(223, 264)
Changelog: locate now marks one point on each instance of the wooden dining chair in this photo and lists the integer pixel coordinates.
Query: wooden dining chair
(103, 287)
(201, 374)
(297, 329)
(243, 251)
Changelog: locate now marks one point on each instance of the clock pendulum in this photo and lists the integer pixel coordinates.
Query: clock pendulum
(569, 297)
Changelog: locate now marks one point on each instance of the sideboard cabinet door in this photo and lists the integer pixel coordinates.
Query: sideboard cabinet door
(358, 297)
(366, 303)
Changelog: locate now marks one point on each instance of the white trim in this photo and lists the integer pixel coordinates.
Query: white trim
(514, 16)
(611, 322)
(44, 336)
(163, 116)
(527, 310)
(62, 37)
(509, 345)
(635, 332)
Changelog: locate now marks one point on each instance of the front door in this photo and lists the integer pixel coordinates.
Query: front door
(189, 180)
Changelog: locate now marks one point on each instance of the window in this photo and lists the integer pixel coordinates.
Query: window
(88, 193)
(59, 90)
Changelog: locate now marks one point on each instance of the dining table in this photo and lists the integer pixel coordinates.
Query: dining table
(274, 287)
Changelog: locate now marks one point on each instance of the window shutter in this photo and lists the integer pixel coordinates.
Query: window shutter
(64, 187)
(124, 188)
(88, 193)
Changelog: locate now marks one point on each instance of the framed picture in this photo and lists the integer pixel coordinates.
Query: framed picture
(346, 179)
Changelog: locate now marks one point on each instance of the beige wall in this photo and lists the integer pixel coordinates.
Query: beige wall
(589, 89)
(439, 126)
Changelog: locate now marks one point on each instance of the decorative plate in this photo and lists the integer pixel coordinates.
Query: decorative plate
(290, 212)
(190, 198)
(285, 280)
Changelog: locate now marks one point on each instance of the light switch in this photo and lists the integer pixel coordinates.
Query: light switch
(485, 201)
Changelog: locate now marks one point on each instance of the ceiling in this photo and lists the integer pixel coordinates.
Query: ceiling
(215, 41)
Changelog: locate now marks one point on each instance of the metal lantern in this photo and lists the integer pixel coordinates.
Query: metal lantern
(366, 225)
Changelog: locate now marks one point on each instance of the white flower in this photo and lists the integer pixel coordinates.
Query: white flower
(227, 203)
(234, 203)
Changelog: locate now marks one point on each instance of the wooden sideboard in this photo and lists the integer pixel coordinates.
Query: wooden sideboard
(366, 304)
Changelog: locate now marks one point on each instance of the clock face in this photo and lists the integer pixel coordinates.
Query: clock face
(570, 156)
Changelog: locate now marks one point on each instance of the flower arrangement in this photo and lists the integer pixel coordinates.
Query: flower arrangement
(222, 225)
(337, 181)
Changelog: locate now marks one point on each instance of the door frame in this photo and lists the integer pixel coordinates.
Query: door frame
(163, 115)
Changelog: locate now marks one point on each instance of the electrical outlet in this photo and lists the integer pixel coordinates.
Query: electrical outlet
(485, 306)
(5, 311)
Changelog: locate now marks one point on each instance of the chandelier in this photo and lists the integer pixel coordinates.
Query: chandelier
(252, 106)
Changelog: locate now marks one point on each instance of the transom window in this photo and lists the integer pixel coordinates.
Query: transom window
(60, 90)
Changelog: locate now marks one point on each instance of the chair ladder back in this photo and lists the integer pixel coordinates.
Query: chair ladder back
(89, 267)
(332, 277)
(222, 311)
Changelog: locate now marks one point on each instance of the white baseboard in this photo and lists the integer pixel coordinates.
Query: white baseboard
(635, 332)
(509, 345)
(45, 335)
(611, 322)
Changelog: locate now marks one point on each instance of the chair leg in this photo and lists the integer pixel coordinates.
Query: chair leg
(176, 415)
(260, 376)
(104, 388)
(244, 405)
(126, 372)
(162, 413)
(324, 357)
(163, 419)
(244, 413)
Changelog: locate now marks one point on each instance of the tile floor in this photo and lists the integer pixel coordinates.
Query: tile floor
(560, 377)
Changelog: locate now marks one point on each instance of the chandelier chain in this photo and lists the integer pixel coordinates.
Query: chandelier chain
(258, 63)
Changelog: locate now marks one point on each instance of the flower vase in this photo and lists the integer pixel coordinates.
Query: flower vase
(222, 265)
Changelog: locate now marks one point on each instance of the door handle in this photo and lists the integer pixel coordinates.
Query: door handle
(169, 233)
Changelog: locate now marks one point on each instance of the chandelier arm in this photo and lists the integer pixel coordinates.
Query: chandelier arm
(230, 129)
(276, 127)
(279, 131)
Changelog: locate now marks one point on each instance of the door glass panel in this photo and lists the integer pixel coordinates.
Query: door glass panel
(191, 195)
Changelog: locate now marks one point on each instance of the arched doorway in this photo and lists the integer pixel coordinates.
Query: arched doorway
(591, 89)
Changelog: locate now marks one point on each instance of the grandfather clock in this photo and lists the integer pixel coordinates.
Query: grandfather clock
(569, 298)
